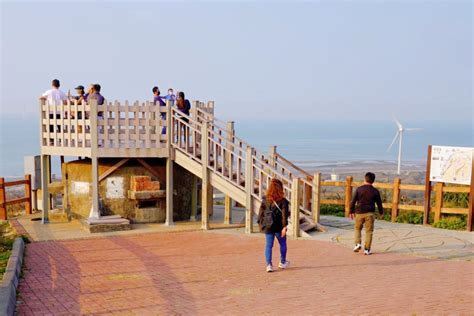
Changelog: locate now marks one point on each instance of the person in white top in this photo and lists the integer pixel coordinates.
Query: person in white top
(54, 96)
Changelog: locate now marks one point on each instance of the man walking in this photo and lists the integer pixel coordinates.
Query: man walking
(363, 205)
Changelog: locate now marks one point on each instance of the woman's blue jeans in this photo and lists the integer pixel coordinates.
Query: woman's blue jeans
(270, 238)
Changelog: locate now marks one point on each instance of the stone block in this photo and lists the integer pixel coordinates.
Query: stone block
(104, 228)
(149, 215)
(146, 195)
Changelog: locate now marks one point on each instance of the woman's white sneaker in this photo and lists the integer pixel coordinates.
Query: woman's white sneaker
(367, 252)
(269, 268)
(284, 265)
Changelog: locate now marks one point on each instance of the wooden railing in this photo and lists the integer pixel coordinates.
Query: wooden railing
(235, 160)
(3, 196)
(396, 203)
(108, 130)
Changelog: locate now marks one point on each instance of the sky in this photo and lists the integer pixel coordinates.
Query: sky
(313, 61)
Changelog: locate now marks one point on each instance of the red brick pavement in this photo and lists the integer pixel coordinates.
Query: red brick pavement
(213, 273)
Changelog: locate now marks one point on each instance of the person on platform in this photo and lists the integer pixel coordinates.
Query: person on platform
(363, 205)
(54, 96)
(170, 96)
(183, 104)
(273, 221)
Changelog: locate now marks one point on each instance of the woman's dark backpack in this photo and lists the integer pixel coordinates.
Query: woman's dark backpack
(268, 217)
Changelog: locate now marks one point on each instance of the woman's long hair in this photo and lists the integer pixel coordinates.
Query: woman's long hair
(275, 191)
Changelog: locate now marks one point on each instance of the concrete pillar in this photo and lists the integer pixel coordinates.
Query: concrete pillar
(169, 192)
(95, 213)
(44, 187)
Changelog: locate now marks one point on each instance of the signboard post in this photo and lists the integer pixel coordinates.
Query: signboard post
(450, 165)
(470, 214)
(427, 194)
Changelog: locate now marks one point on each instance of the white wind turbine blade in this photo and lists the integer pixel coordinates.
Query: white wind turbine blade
(414, 129)
(393, 141)
(397, 122)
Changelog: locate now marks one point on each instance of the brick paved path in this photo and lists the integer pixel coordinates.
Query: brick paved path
(212, 273)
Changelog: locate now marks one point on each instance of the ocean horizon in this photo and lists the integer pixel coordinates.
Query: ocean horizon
(308, 143)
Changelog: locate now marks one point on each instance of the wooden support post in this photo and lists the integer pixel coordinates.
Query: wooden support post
(348, 196)
(438, 200)
(50, 176)
(65, 179)
(228, 166)
(205, 191)
(3, 199)
(308, 193)
(427, 195)
(194, 198)
(44, 188)
(316, 197)
(395, 198)
(295, 207)
(249, 186)
(169, 127)
(227, 210)
(470, 211)
(28, 194)
(169, 192)
(272, 156)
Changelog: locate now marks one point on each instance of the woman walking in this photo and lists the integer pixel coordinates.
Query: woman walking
(273, 221)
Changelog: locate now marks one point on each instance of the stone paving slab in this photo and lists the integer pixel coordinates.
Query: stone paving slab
(75, 230)
(403, 238)
(202, 273)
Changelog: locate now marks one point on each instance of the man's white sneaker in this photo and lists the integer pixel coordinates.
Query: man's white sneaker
(367, 252)
(284, 265)
(357, 248)
(269, 268)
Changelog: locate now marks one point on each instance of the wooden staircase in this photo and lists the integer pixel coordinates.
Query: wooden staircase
(232, 166)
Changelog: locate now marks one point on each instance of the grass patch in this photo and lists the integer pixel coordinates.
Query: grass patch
(7, 237)
(458, 222)
(331, 209)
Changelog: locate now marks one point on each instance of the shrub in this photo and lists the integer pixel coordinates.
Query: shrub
(331, 209)
(456, 199)
(410, 217)
(452, 222)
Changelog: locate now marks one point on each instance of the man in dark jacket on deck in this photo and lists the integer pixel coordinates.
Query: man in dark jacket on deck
(363, 205)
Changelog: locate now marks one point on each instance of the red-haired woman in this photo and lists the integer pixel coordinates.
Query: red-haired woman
(273, 219)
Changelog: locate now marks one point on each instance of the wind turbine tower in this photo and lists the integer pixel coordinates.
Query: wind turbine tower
(399, 135)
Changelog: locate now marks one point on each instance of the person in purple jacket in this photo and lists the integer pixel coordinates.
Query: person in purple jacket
(158, 100)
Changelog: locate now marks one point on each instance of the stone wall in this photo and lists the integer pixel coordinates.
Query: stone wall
(113, 189)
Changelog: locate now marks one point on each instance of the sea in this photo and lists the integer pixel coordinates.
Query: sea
(309, 143)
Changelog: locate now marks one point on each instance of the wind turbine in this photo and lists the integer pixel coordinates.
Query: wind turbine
(399, 135)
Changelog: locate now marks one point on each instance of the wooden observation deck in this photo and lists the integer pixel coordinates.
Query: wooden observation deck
(204, 145)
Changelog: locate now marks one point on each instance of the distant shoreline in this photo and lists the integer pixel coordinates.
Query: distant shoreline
(412, 171)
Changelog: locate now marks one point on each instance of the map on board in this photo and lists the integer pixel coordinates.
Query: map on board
(451, 164)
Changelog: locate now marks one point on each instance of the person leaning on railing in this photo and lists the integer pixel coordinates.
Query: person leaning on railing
(158, 100)
(183, 105)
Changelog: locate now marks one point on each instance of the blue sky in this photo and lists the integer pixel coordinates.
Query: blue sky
(305, 60)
